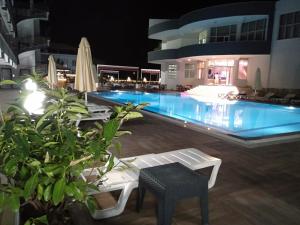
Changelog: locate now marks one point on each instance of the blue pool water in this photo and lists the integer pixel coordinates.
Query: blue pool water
(239, 118)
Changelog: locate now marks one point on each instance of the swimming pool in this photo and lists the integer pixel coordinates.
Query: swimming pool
(242, 119)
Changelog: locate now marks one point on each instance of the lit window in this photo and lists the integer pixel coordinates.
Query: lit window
(223, 34)
(243, 67)
(203, 37)
(289, 26)
(189, 70)
(254, 30)
(221, 62)
(172, 71)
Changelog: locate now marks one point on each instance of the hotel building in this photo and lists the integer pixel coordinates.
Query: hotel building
(228, 44)
(8, 41)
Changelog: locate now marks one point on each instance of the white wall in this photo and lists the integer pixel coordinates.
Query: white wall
(25, 28)
(258, 61)
(171, 44)
(285, 54)
(27, 59)
(165, 79)
(153, 22)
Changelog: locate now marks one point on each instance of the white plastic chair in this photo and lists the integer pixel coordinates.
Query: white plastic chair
(127, 179)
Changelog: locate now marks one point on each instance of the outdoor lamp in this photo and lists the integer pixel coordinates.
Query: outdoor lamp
(128, 79)
(145, 79)
(30, 85)
(34, 102)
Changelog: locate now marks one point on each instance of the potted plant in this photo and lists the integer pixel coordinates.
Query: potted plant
(42, 156)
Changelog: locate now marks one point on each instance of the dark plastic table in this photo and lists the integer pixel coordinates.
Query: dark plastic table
(170, 183)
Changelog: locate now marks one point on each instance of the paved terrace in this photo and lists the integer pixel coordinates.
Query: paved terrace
(257, 186)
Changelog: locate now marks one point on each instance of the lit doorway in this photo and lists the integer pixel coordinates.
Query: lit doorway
(220, 71)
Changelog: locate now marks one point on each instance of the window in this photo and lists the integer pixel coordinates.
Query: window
(172, 71)
(243, 67)
(254, 30)
(203, 37)
(189, 70)
(289, 25)
(221, 62)
(6, 58)
(223, 34)
(200, 70)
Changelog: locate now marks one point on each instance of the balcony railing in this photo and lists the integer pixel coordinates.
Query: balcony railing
(30, 43)
(213, 48)
(31, 13)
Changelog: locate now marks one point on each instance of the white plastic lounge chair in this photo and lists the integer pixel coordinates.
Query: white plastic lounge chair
(127, 179)
(94, 116)
(99, 109)
(286, 99)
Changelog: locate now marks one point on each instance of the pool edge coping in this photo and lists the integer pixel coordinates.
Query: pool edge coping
(251, 143)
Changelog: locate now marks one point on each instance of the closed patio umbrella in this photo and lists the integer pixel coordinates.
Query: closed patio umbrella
(52, 75)
(257, 83)
(85, 74)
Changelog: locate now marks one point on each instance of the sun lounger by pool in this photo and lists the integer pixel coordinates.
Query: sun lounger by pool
(94, 116)
(125, 175)
(98, 109)
(286, 99)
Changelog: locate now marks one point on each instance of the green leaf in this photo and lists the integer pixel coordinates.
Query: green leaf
(50, 143)
(14, 203)
(121, 133)
(47, 158)
(133, 115)
(91, 203)
(30, 186)
(76, 109)
(118, 146)
(40, 191)
(42, 219)
(110, 128)
(11, 167)
(35, 163)
(24, 172)
(28, 222)
(47, 193)
(72, 190)
(43, 118)
(58, 191)
(110, 164)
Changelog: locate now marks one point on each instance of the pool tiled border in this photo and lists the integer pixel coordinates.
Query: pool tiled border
(251, 142)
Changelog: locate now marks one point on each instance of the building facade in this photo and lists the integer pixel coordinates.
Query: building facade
(8, 41)
(33, 36)
(228, 44)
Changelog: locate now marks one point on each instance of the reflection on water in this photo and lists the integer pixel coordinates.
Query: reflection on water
(234, 117)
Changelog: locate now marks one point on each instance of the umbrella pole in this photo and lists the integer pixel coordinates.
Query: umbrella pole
(85, 97)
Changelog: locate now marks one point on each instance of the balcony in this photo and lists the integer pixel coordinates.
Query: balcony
(213, 48)
(27, 44)
(23, 14)
(209, 14)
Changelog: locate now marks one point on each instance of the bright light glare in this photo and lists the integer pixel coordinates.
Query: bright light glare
(128, 79)
(30, 85)
(145, 79)
(34, 103)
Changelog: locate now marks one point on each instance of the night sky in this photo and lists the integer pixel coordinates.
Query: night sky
(117, 30)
